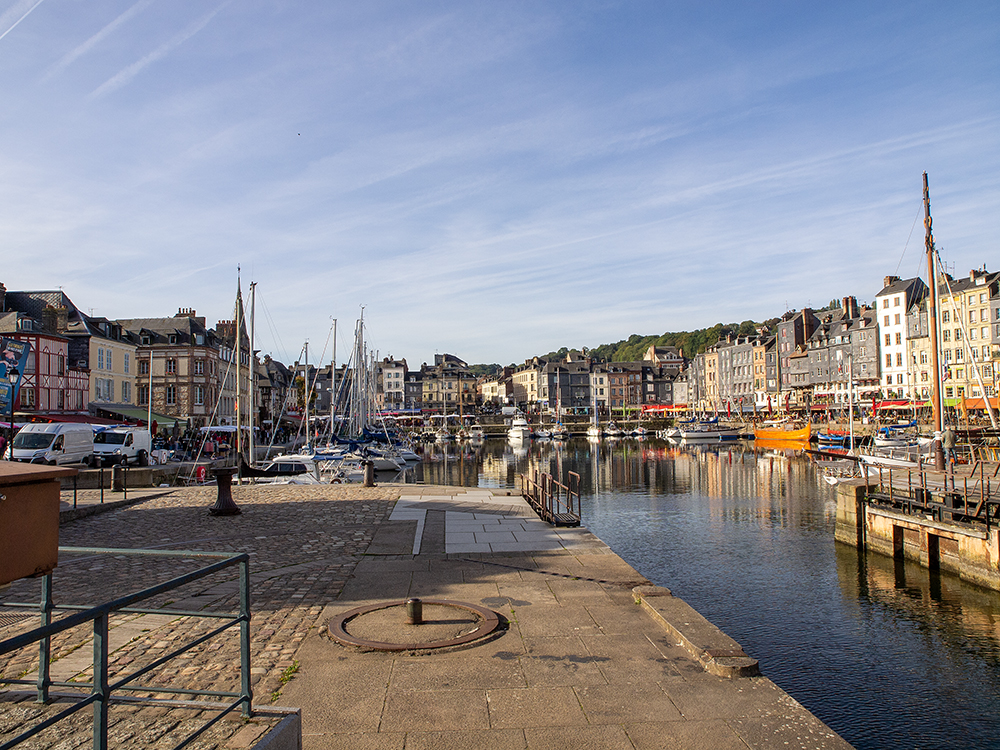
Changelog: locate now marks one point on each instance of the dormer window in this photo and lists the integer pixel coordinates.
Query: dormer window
(172, 338)
(146, 339)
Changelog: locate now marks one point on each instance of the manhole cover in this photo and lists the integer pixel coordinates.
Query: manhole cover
(384, 627)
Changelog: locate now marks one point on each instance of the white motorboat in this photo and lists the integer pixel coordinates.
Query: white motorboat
(519, 429)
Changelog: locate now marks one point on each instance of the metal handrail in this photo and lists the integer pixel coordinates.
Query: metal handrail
(555, 502)
(971, 505)
(101, 689)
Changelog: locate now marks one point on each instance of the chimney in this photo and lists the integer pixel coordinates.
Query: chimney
(3, 298)
(55, 319)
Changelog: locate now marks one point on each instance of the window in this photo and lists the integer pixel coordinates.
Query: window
(199, 367)
(60, 400)
(984, 315)
(888, 339)
(142, 395)
(899, 379)
(972, 316)
(958, 334)
(126, 392)
(945, 317)
(946, 335)
(125, 364)
(100, 358)
(897, 318)
(888, 379)
(958, 354)
(885, 302)
(60, 370)
(887, 320)
(888, 360)
(171, 366)
(144, 367)
(923, 377)
(895, 301)
(899, 339)
(899, 359)
(199, 395)
(171, 395)
(923, 358)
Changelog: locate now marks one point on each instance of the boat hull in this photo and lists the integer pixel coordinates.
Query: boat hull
(797, 435)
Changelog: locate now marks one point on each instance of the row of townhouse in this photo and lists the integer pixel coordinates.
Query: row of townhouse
(577, 384)
(818, 360)
(84, 367)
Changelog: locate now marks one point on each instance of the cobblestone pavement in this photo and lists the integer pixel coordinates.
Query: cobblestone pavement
(304, 541)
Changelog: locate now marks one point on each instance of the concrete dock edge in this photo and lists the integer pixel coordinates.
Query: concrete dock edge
(715, 651)
(286, 735)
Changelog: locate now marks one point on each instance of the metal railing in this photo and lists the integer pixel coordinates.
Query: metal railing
(123, 488)
(968, 499)
(102, 688)
(553, 501)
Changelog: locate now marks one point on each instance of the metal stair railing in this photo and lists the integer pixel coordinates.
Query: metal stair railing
(102, 689)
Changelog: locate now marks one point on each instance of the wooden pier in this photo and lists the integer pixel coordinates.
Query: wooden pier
(947, 520)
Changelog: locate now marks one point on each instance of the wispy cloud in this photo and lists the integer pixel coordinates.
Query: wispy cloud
(96, 39)
(124, 76)
(20, 11)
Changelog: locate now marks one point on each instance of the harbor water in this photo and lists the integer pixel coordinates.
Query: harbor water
(887, 653)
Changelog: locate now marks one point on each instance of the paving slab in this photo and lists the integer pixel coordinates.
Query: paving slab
(577, 662)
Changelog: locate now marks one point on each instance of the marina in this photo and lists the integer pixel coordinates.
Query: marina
(869, 644)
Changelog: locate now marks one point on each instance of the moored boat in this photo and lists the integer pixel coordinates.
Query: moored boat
(785, 431)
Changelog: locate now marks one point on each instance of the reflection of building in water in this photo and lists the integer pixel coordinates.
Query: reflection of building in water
(952, 607)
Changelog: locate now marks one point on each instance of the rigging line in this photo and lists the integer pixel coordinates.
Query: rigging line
(278, 343)
(910, 235)
(966, 346)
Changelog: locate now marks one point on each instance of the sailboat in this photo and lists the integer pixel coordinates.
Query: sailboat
(594, 431)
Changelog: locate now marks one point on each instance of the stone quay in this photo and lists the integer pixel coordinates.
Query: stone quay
(588, 653)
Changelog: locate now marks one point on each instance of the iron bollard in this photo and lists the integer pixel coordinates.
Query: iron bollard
(224, 503)
(414, 612)
(369, 473)
(117, 478)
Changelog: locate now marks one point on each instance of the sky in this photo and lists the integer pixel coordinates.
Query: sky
(494, 180)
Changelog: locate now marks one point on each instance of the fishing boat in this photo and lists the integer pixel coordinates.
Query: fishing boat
(559, 432)
(786, 431)
(613, 430)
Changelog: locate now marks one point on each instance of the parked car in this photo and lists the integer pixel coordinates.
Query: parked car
(122, 445)
(54, 443)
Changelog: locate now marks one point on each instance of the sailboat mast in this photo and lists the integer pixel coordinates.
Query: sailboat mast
(305, 394)
(938, 423)
(253, 376)
(333, 385)
(239, 380)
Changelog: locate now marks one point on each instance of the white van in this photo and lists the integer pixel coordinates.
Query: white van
(120, 445)
(54, 443)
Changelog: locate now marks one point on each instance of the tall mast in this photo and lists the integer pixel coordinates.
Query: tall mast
(239, 362)
(938, 424)
(305, 393)
(252, 417)
(333, 385)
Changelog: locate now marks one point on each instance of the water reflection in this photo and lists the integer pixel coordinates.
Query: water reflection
(889, 654)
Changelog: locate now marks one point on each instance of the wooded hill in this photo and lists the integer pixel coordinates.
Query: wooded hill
(690, 342)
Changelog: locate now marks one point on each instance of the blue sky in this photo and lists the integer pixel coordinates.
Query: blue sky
(492, 180)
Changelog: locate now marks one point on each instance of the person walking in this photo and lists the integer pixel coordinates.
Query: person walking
(948, 444)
